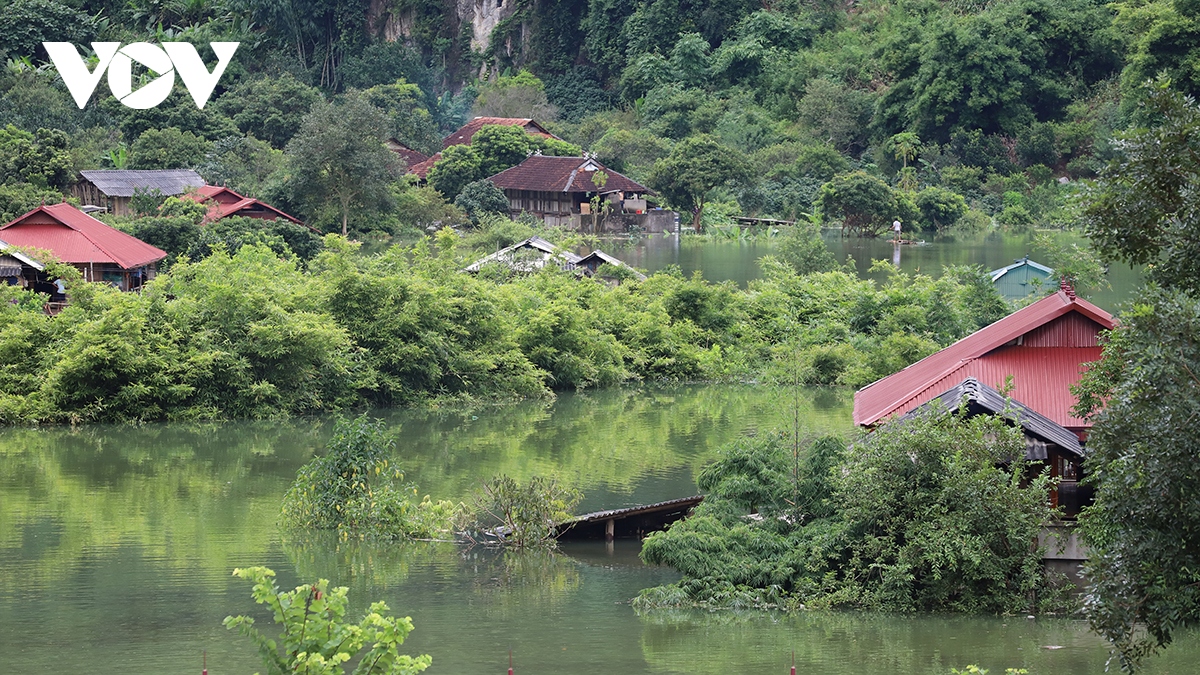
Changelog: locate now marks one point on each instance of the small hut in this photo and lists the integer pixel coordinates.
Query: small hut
(16, 268)
(527, 256)
(223, 203)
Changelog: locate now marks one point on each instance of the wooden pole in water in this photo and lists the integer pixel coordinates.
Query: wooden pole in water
(510, 672)
(793, 662)
(205, 657)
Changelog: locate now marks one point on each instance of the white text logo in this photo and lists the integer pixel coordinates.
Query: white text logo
(166, 60)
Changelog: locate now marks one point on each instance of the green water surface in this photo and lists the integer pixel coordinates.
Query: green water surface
(117, 543)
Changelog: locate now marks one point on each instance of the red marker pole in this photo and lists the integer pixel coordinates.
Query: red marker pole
(205, 657)
(793, 662)
(509, 662)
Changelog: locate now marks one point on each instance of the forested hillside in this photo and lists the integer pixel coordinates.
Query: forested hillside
(940, 113)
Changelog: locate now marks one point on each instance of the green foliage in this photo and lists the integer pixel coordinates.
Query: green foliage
(409, 122)
(40, 159)
(1142, 583)
(481, 197)
(525, 516)
(694, 167)
(940, 208)
(863, 204)
(1142, 210)
(18, 199)
(459, 166)
(338, 161)
(803, 249)
(167, 148)
(355, 490)
(270, 109)
(26, 24)
(242, 163)
(520, 95)
(925, 514)
(316, 636)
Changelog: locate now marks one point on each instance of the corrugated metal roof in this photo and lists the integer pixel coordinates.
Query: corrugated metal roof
(406, 153)
(8, 250)
(467, 132)
(75, 237)
(996, 274)
(542, 173)
(984, 399)
(507, 256)
(223, 202)
(123, 182)
(1045, 373)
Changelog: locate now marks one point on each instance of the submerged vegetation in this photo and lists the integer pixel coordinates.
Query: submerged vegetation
(929, 514)
(247, 333)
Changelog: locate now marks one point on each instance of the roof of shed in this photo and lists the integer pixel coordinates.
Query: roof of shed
(9, 250)
(981, 398)
(566, 259)
(123, 182)
(1042, 376)
(1024, 262)
(467, 132)
(75, 237)
(562, 174)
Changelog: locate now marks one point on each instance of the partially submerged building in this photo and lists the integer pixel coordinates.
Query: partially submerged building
(559, 191)
(101, 253)
(1021, 278)
(530, 255)
(1035, 355)
(113, 189)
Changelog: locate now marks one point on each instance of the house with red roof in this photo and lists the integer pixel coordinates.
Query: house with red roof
(223, 203)
(559, 189)
(420, 165)
(100, 252)
(1034, 355)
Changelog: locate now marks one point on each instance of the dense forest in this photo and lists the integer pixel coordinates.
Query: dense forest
(942, 114)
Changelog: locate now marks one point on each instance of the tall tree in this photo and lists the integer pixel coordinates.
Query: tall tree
(338, 159)
(694, 167)
(1144, 396)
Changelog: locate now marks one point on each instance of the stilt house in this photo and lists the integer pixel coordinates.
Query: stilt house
(114, 188)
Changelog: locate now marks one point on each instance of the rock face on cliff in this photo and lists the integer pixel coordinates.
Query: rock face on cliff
(483, 16)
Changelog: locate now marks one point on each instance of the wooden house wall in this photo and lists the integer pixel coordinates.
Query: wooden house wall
(540, 203)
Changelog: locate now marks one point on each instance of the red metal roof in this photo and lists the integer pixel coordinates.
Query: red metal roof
(1043, 346)
(562, 174)
(77, 238)
(422, 168)
(223, 202)
(467, 132)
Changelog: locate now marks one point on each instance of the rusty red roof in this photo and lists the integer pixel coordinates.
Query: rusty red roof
(406, 153)
(1043, 347)
(422, 168)
(467, 132)
(223, 202)
(562, 174)
(77, 238)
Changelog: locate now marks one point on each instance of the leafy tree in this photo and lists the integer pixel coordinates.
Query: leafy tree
(338, 160)
(317, 638)
(694, 167)
(1143, 210)
(690, 60)
(577, 94)
(501, 147)
(459, 166)
(167, 148)
(178, 111)
(525, 516)
(242, 163)
(19, 198)
(864, 204)
(1160, 38)
(40, 159)
(520, 95)
(480, 198)
(644, 74)
(940, 208)
(835, 113)
(803, 249)
(1142, 582)
(269, 108)
(26, 24)
(408, 120)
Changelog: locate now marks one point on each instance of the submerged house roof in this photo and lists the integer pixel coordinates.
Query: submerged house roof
(223, 202)
(1043, 347)
(982, 399)
(528, 255)
(75, 237)
(1017, 280)
(592, 261)
(467, 132)
(124, 182)
(543, 173)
